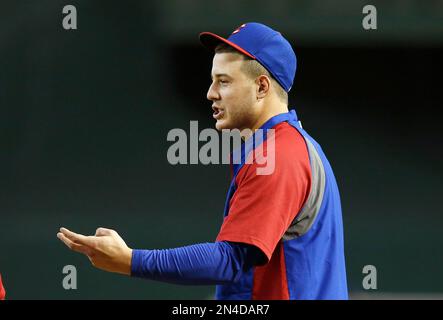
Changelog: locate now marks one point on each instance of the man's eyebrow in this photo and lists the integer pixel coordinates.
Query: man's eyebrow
(219, 75)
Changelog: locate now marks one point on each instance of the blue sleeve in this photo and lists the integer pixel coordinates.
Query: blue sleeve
(199, 264)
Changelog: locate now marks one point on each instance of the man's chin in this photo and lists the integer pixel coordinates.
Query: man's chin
(220, 125)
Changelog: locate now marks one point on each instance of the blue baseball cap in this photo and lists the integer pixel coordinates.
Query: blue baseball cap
(261, 43)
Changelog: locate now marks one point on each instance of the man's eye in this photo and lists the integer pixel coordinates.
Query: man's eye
(223, 81)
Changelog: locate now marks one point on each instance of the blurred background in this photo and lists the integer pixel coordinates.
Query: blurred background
(84, 116)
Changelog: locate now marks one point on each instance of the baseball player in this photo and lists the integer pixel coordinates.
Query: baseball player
(2, 289)
(282, 233)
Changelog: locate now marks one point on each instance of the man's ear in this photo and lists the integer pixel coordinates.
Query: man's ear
(263, 86)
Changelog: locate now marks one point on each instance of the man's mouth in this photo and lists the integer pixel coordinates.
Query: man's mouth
(218, 113)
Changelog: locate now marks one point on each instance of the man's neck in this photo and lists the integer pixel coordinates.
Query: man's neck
(276, 110)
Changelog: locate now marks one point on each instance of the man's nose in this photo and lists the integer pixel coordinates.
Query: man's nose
(212, 94)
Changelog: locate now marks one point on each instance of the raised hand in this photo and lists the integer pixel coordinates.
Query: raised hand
(106, 249)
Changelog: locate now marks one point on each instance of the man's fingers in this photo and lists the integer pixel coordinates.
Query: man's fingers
(77, 238)
(74, 246)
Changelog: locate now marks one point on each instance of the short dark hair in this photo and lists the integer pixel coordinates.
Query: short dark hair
(254, 69)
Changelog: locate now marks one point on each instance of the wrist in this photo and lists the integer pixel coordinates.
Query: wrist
(127, 262)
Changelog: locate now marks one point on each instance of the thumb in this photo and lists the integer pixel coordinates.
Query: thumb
(103, 232)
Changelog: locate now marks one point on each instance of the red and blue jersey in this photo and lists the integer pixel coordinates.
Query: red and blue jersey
(293, 215)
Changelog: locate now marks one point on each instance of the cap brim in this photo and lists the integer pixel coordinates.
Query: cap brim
(211, 40)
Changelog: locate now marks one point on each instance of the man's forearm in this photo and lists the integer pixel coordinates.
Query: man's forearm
(206, 263)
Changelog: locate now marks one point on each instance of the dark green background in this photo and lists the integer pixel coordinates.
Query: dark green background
(84, 116)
